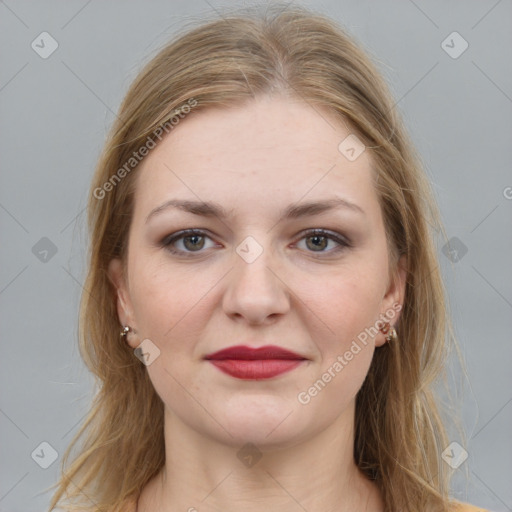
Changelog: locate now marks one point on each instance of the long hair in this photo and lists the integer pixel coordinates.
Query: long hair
(226, 61)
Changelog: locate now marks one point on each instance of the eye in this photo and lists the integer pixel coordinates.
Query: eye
(192, 240)
(318, 239)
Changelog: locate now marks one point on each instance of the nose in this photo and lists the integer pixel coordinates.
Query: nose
(256, 291)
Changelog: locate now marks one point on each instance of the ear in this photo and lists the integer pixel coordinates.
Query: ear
(393, 300)
(123, 301)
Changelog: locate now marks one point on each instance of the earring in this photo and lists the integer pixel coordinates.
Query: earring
(125, 331)
(390, 332)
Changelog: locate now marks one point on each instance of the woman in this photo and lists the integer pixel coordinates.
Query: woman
(264, 310)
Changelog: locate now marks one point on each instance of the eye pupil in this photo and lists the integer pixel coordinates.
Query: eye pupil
(317, 238)
(194, 246)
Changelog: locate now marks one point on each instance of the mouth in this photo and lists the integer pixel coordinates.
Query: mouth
(261, 363)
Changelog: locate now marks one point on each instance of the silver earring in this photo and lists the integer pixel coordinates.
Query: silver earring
(390, 332)
(125, 331)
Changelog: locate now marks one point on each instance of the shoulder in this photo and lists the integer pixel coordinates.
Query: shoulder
(130, 505)
(466, 507)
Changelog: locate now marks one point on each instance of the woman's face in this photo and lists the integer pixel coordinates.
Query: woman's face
(255, 276)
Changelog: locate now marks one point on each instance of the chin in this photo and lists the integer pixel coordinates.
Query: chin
(263, 421)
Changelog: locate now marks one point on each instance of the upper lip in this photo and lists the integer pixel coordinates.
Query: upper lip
(247, 353)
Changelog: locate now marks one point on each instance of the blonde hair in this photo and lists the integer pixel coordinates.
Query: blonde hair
(223, 62)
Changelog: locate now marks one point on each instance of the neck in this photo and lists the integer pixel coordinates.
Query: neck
(316, 474)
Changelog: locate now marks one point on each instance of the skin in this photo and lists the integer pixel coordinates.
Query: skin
(255, 160)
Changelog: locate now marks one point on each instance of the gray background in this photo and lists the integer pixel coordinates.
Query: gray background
(55, 112)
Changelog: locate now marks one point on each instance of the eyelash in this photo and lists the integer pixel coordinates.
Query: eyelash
(167, 242)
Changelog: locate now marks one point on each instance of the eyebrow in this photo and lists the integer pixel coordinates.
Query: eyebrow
(293, 211)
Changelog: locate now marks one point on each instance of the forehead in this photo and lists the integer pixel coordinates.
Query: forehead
(244, 154)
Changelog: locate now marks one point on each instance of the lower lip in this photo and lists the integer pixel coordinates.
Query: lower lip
(255, 369)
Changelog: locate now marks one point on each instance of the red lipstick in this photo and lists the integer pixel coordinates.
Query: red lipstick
(248, 363)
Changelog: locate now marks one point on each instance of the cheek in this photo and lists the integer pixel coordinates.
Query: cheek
(348, 310)
(347, 303)
(169, 312)
(164, 299)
